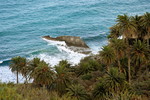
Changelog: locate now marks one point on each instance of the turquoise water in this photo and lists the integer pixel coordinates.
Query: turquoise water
(23, 22)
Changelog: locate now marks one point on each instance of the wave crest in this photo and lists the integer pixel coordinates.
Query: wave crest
(65, 54)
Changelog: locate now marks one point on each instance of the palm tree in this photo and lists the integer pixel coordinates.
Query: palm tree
(25, 72)
(17, 64)
(146, 25)
(107, 56)
(77, 91)
(137, 21)
(62, 76)
(64, 63)
(127, 28)
(42, 74)
(32, 65)
(114, 80)
(114, 31)
(100, 91)
(87, 66)
(119, 46)
(127, 55)
(140, 54)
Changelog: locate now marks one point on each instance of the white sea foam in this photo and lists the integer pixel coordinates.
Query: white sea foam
(65, 49)
(7, 76)
(52, 60)
(55, 42)
(1, 62)
(66, 54)
(72, 58)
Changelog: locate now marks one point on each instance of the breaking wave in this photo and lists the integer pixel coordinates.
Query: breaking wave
(65, 54)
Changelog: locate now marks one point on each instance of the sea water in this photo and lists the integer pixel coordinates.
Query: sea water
(24, 22)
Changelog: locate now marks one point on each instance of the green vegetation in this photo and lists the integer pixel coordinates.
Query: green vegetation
(121, 71)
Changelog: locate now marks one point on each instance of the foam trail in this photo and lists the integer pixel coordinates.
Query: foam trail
(66, 49)
(61, 45)
(55, 42)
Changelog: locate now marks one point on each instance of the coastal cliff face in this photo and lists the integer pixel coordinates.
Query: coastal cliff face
(70, 40)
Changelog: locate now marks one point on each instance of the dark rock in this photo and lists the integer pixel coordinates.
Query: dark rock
(69, 40)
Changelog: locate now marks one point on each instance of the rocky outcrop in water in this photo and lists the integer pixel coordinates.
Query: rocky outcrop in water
(70, 40)
(74, 43)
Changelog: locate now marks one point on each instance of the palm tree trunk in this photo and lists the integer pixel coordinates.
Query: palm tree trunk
(123, 37)
(127, 41)
(119, 65)
(26, 81)
(17, 77)
(129, 70)
(107, 68)
(137, 69)
(78, 98)
(148, 43)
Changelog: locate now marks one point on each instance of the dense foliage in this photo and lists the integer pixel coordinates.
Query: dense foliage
(121, 71)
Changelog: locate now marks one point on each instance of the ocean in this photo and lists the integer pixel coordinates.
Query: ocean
(24, 22)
